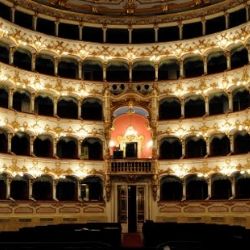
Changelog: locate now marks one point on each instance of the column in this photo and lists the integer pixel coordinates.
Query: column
(182, 108)
(55, 100)
(54, 148)
(209, 188)
(230, 101)
(184, 190)
(231, 139)
(183, 147)
(30, 183)
(156, 66)
(56, 27)
(203, 22)
(11, 55)
(10, 100)
(54, 183)
(228, 56)
(207, 145)
(13, 10)
(247, 12)
(104, 68)
(79, 109)
(156, 28)
(205, 64)
(104, 30)
(8, 183)
(56, 66)
(233, 186)
(80, 148)
(33, 61)
(180, 25)
(10, 135)
(32, 145)
(226, 20)
(181, 63)
(130, 35)
(206, 105)
(34, 21)
(79, 69)
(80, 31)
(78, 190)
(32, 102)
(130, 67)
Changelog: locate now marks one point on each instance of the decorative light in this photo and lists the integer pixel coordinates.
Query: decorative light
(130, 131)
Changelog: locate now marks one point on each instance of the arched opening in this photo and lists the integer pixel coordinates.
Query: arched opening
(68, 67)
(195, 147)
(21, 101)
(3, 186)
(3, 141)
(67, 148)
(242, 186)
(92, 188)
(45, 64)
(170, 148)
(221, 188)
(67, 107)
(218, 104)
(169, 70)
(131, 135)
(170, 188)
(239, 57)
(44, 105)
(4, 53)
(216, 62)
(4, 98)
(219, 145)
(117, 72)
(92, 70)
(241, 142)
(143, 71)
(196, 188)
(43, 146)
(42, 188)
(194, 106)
(241, 99)
(169, 108)
(66, 189)
(20, 144)
(22, 59)
(193, 66)
(91, 149)
(19, 188)
(92, 109)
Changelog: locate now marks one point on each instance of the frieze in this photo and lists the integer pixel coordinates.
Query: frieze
(126, 19)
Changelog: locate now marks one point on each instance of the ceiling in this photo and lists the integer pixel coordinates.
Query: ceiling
(127, 7)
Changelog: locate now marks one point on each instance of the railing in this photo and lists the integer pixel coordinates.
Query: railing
(131, 166)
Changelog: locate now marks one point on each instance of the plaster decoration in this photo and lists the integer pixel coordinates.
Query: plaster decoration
(108, 52)
(20, 165)
(37, 125)
(141, 9)
(204, 167)
(205, 126)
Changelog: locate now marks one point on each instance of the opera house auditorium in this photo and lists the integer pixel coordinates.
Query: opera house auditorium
(124, 124)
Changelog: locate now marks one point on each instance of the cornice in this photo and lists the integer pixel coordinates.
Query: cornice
(206, 166)
(105, 53)
(56, 127)
(35, 167)
(128, 20)
(205, 126)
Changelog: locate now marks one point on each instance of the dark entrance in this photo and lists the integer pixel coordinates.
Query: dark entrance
(132, 220)
(131, 150)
